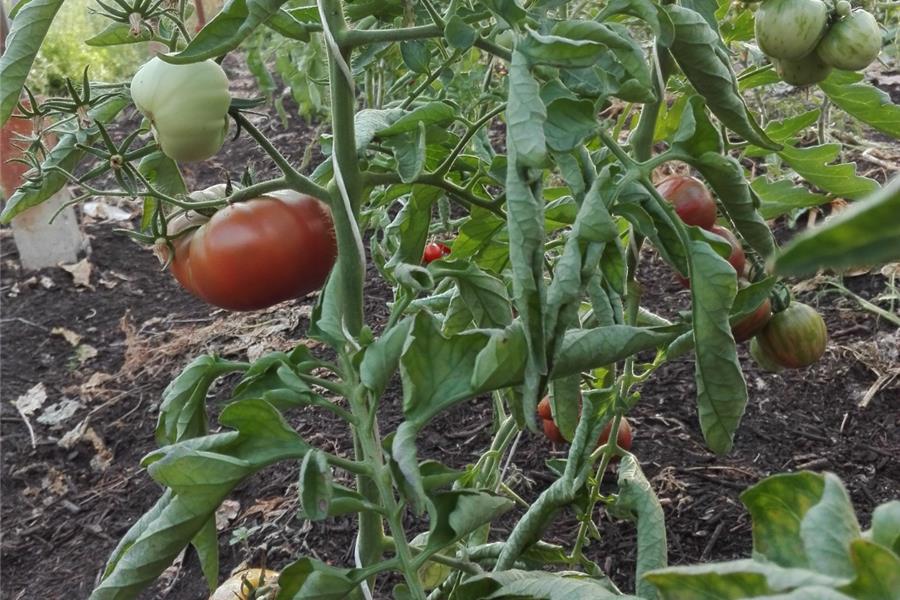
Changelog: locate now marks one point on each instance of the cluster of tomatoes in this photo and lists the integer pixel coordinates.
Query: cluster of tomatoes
(248, 255)
(805, 39)
(793, 338)
(624, 434)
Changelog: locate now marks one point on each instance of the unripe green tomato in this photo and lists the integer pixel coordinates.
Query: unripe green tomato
(803, 72)
(187, 106)
(790, 29)
(794, 338)
(762, 358)
(842, 8)
(852, 43)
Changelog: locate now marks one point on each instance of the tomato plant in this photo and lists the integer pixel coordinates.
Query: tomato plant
(257, 253)
(795, 337)
(187, 106)
(496, 125)
(692, 201)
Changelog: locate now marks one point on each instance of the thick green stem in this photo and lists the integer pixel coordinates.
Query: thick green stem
(359, 37)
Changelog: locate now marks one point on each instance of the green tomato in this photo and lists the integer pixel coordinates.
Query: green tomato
(187, 106)
(790, 29)
(842, 8)
(852, 43)
(803, 72)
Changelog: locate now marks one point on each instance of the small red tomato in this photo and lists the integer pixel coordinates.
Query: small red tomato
(543, 408)
(623, 436)
(691, 199)
(753, 323)
(552, 432)
(737, 258)
(434, 251)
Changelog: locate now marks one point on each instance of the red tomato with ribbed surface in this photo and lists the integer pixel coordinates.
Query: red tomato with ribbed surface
(691, 199)
(753, 323)
(435, 251)
(737, 258)
(254, 254)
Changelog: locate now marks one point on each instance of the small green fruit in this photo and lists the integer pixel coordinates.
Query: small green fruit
(803, 72)
(790, 29)
(852, 43)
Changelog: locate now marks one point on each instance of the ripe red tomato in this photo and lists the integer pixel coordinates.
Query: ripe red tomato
(795, 337)
(737, 258)
(753, 323)
(258, 253)
(691, 200)
(624, 435)
(434, 251)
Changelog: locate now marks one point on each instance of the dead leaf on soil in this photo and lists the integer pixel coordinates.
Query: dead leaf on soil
(811, 284)
(84, 353)
(227, 512)
(81, 273)
(881, 355)
(32, 400)
(69, 335)
(55, 482)
(97, 209)
(103, 457)
(59, 412)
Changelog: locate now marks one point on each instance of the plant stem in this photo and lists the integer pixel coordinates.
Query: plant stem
(293, 178)
(360, 37)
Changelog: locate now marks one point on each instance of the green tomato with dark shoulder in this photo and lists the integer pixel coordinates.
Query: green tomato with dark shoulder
(187, 106)
(794, 338)
(803, 72)
(852, 43)
(790, 29)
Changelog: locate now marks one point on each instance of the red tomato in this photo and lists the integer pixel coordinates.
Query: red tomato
(753, 323)
(552, 431)
(258, 253)
(435, 251)
(623, 436)
(737, 258)
(691, 200)
(543, 408)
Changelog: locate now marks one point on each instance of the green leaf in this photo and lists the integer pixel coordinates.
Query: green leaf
(459, 34)
(697, 50)
(569, 123)
(404, 455)
(509, 11)
(409, 151)
(311, 579)
(863, 101)
(200, 473)
(813, 164)
(877, 572)
(483, 294)
(721, 390)
(886, 526)
(636, 501)
(116, 34)
(781, 197)
(25, 37)
(436, 370)
(525, 115)
(726, 176)
(647, 11)
(696, 135)
(206, 544)
(778, 505)
(734, 580)
(505, 353)
(416, 55)
(287, 24)
(64, 155)
(867, 233)
(432, 113)
(182, 413)
(455, 514)
(164, 174)
(828, 528)
(225, 32)
(315, 486)
(516, 584)
(558, 50)
(381, 359)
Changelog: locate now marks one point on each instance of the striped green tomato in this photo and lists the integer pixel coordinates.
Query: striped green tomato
(794, 338)
(790, 29)
(806, 71)
(852, 43)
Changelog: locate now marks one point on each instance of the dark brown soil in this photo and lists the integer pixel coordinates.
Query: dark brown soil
(62, 515)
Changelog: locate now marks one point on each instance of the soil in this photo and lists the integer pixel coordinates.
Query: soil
(113, 345)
